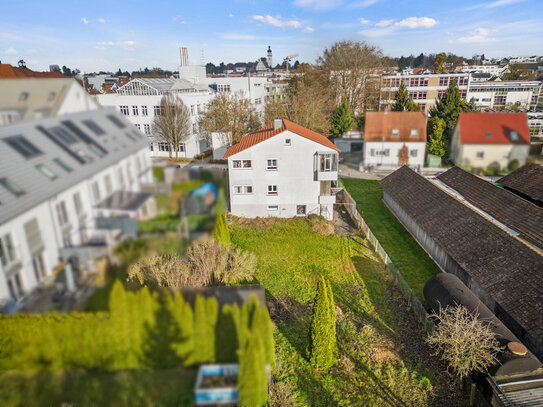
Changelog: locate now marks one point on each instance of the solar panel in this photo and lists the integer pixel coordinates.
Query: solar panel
(23, 146)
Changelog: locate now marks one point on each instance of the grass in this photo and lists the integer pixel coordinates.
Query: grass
(172, 387)
(291, 256)
(412, 261)
(158, 173)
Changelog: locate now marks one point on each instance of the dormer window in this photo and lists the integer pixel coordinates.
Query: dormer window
(395, 132)
(514, 135)
(414, 133)
(488, 134)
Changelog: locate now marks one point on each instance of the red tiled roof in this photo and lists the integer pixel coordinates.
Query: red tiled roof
(8, 71)
(267, 132)
(493, 128)
(379, 126)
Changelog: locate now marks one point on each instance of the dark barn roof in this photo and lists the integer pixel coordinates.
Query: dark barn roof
(508, 270)
(526, 181)
(514, 212)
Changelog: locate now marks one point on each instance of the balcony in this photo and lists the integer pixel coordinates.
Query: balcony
(327, 199)
(326, 165)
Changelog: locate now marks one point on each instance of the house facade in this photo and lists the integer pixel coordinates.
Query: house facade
(393, 139)
(54, 175)
(485, 139)
(282, 170)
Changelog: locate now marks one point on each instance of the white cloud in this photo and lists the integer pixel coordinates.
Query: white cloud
(362, 4)
(384, 23)
(102, 20)
(364, 21)
(105, 44)
(126, 45)
(230, 15)
(85, 21)
(308, 29)
(417, 22)
(277, 21)
(500, 3)
(479, 35)
(10, 51)
(318, 5)
(240, 37)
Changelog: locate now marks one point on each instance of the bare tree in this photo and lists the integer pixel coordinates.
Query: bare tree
(230, 114)
(464, 341)
(173, 125)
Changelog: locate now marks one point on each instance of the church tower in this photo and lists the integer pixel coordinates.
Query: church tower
(270, 58)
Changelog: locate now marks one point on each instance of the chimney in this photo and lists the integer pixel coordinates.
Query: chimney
(277, 124)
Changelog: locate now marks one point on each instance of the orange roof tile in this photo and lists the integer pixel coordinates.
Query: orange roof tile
(379, 126)
(268, 132)
(493, 128)
(8, 71)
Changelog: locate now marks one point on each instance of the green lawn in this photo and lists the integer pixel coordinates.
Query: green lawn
(291, 256)
(412, 261)
(172, 387)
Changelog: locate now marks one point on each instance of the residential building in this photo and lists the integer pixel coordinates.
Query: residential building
(523, 95)
(464, 237)
(35, 98)
(393, 139)
(139, 101)
(482, 140)
(424, 89)
(492, 70)
(54, 174)
(98, 81)
(282, 170)
(254, 88)
(535, 124)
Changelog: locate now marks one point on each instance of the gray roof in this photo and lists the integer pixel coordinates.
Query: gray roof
(164, 85)
(87, 155)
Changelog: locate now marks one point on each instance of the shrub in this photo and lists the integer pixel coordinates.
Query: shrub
(513, 165)
(221, 232)
(323, 343)
(159, 224)
(252, 377)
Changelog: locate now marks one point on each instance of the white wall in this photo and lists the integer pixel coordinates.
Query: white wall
(500, 153)
(391, 161)
(294, 177)
(77, 100)
(253, 88)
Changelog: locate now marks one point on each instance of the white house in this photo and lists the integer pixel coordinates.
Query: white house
(393, 139)
(481, 140)
(57, 177)
(36, 98)
(504, 94)
(139, 100)
(282, 170)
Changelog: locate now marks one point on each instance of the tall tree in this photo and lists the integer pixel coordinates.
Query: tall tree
(342, 119)
(323, 345)
(435, 144)
(275, 109)
(173, 125)
(252, 380)
(403, 102)
(230, 114)
(439, 62)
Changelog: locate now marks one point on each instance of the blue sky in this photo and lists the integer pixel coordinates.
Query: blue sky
(107, 35)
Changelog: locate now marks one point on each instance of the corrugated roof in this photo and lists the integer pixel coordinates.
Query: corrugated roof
(502, 265)
(379, 126)
(493, 128)
(36, 186)
(526, 181)
(268, 131)
(509, 209)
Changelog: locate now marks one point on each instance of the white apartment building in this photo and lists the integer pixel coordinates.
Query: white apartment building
(254, 88)
(36, 98)
(492, 70)
(523, 95)
(424, 89)
(393, 139)
(535, 124)
(54, 174)
(139, 101)
(282, 170)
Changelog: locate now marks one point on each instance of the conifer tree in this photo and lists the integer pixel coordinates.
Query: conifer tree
(201, 338)
(252, 376)
(227, 343)
(221, 232)
(436, 144)
(333, 318)
(120, 328)
(184, 318)
(342, 119)
(212, 315)
(323, 345)
(403, 102)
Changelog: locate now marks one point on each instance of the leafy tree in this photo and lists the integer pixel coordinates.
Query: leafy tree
(436, 144)
(342, 119)
(210, 68)
(173, 125)
(252, 377)
(404, 102)
(465, 342)
(275, 109)
(439, 62)
(323, 345)
(230, 114)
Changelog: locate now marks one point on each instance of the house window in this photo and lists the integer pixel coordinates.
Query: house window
(138, 126)
(514, 135)
(121, 178)
(287, 142)
(135, 110)
(414, 133)
(243, 189)
(124, 110)
(46, 171)
(15, 286)
(300, 209)
(480, 154)
(38, 266)
(157, 110)
(164, 147)
(7, 250)
(96, 192)
(192, 111)
(328, 162)
(147, 129)
(144, 110)
(109, 187)
(241, 164)
(62, 215)
(271, 164)
(413, 153)
(272, 189)
(396, 132)
(77, 203)
(273, 207)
